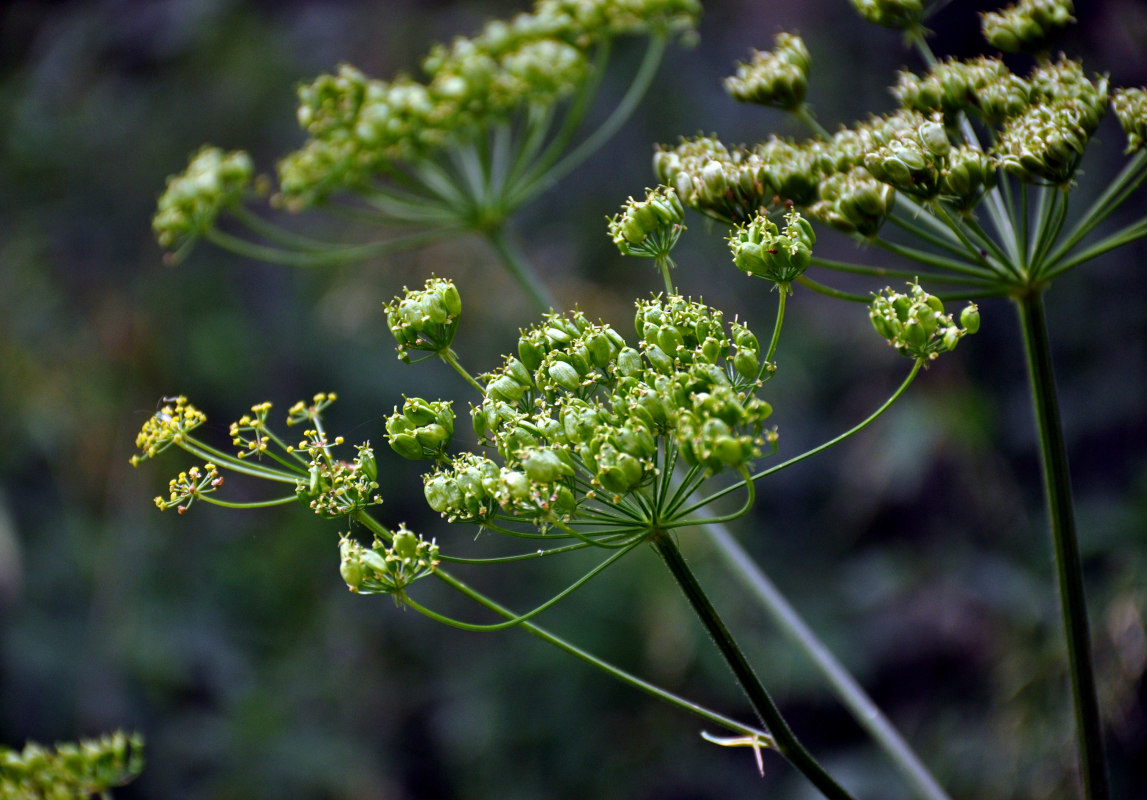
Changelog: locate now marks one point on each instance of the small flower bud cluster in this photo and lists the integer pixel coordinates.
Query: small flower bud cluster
(1027, 26)
(580, 412)
(761, 249)
(166, 427)
(213, 181)
(1045, 121)
(301, 412)
(586, 20)
(854, 201)
(920, 160)
(190, 486)
(358, 126)
(71, 770)
(1046, 142)
(249, 433)
(422, 430)
(776, 78)
(712, 416)
(649, 228)
(425, 320)
(1130, 107)
(337, 488)
(916, 325)
(386, 568)
(902, 14)
(464, 489)
(734, 185)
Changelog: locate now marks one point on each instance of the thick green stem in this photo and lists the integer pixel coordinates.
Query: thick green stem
(786, 741)
(1057, 483)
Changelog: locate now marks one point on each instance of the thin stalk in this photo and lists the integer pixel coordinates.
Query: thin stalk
(828, 291)
(371, 524)
(519, 268)
(916, 366)
(604, 666)
(519, 619)
(924, 257)
(574, 116)
(921, 213)
(1136, 230)
(278, 501)
(675, 521)
(970, 230)
(997, 208)
(1073, 605)
(804, 114)
(281, 236)
(535, 182)
(950, 243)
(846, 688)
(326, 258)
(783, 293)
(1057, 213)
(884, 272)
(450, 358)
(1126, 182)
(786, 741)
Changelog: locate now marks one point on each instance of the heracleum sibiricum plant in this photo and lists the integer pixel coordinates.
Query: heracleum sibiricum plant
(586, 442)
(975, 173)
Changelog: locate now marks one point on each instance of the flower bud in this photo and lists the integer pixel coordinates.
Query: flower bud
(778, 78)
(916, 325)
(1029, 26)
(1130, 107)
(902, 14)
(970, 318)
(544, 465)
(425, 320)
(760, 249)
(213, 182)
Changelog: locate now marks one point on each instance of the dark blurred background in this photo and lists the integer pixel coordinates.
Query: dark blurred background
(918, 549)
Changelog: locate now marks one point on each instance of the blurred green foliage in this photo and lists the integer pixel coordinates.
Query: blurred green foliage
(230, 641)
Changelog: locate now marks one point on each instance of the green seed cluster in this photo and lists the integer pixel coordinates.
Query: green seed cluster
(386, 568)
(1041, 125)
(425, 320)
(762, 249)
(358, 127)
(1130, 107)
(337, 488)
(1027, 26)
(71, 770)
(777, 78)
(902, 14)
(1046, 142)
(422, 430)
(580, 414)
(651, 227)
(213, 181)
(916, 325)
(919, 159)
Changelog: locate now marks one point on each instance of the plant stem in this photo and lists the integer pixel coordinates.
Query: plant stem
(786, 741)
(516, 264)
(371, 524)
(846, 688)
(1057, 484)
